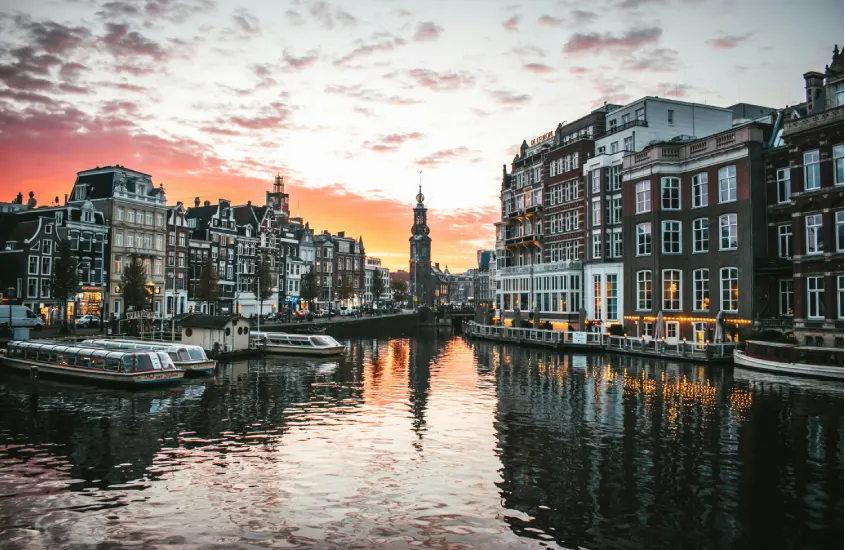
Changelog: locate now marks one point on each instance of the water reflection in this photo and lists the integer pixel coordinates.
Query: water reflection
(431, 442)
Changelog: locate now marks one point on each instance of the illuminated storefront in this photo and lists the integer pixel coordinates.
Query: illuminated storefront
(90, 300)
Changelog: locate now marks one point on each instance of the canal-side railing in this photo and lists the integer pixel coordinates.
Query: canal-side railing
(622, 344)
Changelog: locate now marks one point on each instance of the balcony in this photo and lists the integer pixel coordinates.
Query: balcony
(682, 152)
(615, 129)
(523, 240)
(550, 267)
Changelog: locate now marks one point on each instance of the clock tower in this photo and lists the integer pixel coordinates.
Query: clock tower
(422, 287)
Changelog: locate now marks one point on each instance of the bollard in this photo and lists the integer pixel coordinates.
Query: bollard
(33, 378)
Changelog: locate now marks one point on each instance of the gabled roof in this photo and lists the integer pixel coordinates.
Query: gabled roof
(203, 213)
(201, 320)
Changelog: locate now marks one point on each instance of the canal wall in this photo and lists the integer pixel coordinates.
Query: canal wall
(400, 324)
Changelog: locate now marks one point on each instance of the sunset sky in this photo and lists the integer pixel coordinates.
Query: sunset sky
(350, 100)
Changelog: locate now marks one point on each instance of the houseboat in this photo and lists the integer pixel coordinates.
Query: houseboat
(781, 358)
(136, 368)
(190, 358)
(298, 344)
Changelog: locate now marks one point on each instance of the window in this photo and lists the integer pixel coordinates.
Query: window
(700, 235)
(840, 230)
(671, 117)
(596, 182)
(838, 163)
(629, 143)
(670, 193)
(596, 246)
(74, 240)
(48, 229)
(644, 290)
(784, 185)
(727, 184)
(614, 147)
(730, 289)
(644, 239)
(616, 240)
(626, 118)
(812, 178)
(47, 266)
(159, 242)
(596, 212)
(640, 113)
(130, 216)
(45, 288)
(727, 232)
(643, 190)
(672, 289)
(815, 236)
(612, 301)
(33, 265)
(597, 296)
(840, 293)
(701, 290)
(615, 210)
(120, 214)
(785, 241)
(148, 218)
(117, 264)
(160, 220)
(699, 190)
(787, 296)
(815, 297)
(32, 287)
(672, 237)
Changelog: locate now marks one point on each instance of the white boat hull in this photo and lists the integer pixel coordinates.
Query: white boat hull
(197, 367)
(796, 369)
(304, 350)
(137, 379)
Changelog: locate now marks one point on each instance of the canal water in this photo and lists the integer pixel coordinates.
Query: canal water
(428, 442)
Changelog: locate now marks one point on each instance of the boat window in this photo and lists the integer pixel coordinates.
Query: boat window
(112, 363)
(323, 341)
(142, 362)
(83, 359)
(164, 360)
(197, 354)
(127, 363)
(98, 362)
(181, 355)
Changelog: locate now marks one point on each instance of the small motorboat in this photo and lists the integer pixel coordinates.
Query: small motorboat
(91, 364)
(190, 358)
(780, 358)
(297, 344)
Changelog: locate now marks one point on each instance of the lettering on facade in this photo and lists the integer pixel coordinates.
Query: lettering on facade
(541, 139)
(144, 314)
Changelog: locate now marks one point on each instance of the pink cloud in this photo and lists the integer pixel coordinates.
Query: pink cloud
(512, 23)
(427, 31)
(537, 68)
(728, 42)
(630, 40)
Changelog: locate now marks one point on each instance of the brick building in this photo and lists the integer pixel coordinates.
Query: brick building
(176, 268)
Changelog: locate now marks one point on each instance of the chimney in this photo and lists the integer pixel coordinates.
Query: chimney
(65, 198)
(249, 203)
(437, 265)
(341, 234)
(814, 92)
(196, 202)
(206, 203)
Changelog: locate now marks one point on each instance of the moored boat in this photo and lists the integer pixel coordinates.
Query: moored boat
(190, 358)
(136, 368)
(297, 344)
(776, 357)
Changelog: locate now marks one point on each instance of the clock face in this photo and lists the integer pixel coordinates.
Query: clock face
(427, 230)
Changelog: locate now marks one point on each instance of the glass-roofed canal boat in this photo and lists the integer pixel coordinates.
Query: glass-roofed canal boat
(91, 364)
(191, 358)
(296, 344)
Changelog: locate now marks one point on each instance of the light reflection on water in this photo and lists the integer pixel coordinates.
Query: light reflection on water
(428, 442)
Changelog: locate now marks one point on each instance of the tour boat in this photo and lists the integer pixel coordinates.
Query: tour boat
(300, 344)
(780, 358)
(191, 358)
(93, 364)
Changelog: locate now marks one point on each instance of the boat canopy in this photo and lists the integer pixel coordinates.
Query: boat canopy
(86, 356)
(177, 352)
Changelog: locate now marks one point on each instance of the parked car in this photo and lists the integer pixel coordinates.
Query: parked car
(87, 321)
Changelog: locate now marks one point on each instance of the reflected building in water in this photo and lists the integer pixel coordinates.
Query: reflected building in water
(601, 451)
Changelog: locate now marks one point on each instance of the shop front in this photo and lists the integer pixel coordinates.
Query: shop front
(90, 300)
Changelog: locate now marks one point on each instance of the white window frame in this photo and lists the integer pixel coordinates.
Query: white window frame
(596, 246)
(596, 212)
(596, 182)
(37, 262)
(729, 276)
(816, 231)
(673, 186)
(727, 184)
(700, 197)
(699, 226)
(643, 196)
(784, 185)
(34, 285)
(785, 236)
(840, 296)
(786, 288)
(838, 163)
(680, 294)
(839, 216)
(812, 170)
(645, 281)
(728, 228)
(815, 296)
(701, 289)
(641, 243)
(664, 231)
(47, 262)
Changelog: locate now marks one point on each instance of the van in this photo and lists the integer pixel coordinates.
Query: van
(22, 316)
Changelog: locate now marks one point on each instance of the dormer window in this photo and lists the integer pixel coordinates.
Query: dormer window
(87, 216)
(60, 216)
(838, 94)
(81, 192)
